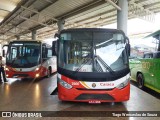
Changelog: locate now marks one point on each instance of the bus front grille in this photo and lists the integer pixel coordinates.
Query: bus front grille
(93, 89)
(20, 75)
(94, 96)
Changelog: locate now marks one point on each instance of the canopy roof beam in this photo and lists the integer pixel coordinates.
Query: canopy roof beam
(113, 4)
(141, 12)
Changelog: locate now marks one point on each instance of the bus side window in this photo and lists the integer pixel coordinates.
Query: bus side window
(49, 54)
(43, 51)
(148, 55)
(157, 55)
(145, 56)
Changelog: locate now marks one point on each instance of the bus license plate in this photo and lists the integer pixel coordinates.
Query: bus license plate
(94, 102)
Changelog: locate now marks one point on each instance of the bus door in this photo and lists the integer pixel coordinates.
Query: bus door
(156, 70)
(148, 69)
(44, 53)
(4, 52)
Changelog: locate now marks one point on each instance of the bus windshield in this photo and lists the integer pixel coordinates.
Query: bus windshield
(92, 51)
(23, 54)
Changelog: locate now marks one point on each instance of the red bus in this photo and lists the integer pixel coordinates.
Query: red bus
(93, 65)
(29, 59)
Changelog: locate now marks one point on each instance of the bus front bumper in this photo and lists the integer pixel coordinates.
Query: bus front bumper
(22, 75)
(94, 96)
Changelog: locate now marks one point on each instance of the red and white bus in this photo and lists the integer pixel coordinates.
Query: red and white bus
(29, 59)
(93, 65)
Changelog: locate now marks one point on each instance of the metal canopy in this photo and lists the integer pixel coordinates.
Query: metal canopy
(42, 15)
(7, 7)
(155, 34)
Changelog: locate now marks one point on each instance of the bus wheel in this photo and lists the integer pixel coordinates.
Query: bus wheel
(49, 72)
(140, 81)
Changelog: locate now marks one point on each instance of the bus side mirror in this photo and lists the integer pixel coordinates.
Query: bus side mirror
(54, 48)
(128, 47)
(5, 49)
(56, 35)
(3, 53)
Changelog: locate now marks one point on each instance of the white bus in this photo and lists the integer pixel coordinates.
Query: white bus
(29, 59)
(93, 65)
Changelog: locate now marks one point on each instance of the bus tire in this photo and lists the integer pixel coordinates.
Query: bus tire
(140, 80)
(49, 72)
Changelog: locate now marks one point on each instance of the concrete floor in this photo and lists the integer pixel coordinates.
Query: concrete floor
(29, 95)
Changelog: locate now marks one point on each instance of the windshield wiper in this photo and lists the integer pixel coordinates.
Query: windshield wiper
(89, 48)
(98, 66)
(105, 65)
(81, 66)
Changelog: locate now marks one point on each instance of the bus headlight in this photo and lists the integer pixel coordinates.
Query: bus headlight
(37, 69)
(37, 75)
(6, 69)
(64, 84)
(123, 84)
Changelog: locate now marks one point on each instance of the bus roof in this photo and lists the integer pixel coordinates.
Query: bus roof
(152, 52)
(154, 34)
(92, 29)
(30, 41)
(18, 41)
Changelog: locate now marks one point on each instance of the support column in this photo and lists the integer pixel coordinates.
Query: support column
(34, 33)
(60, 24)
(1, 49)
(122, 16)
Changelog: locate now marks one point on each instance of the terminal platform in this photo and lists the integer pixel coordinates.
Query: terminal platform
(30, 95)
